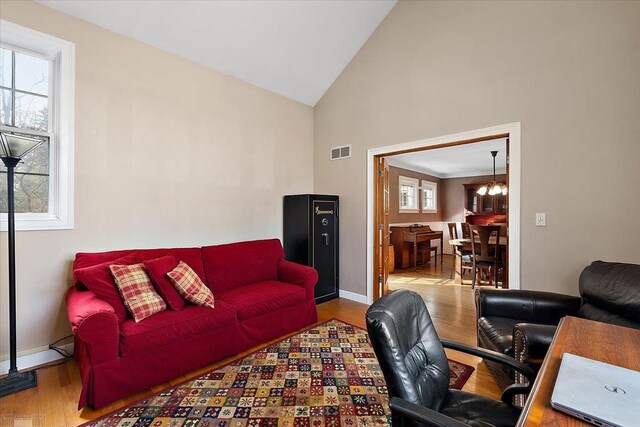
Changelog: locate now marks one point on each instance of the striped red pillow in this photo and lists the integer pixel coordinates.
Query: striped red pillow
(137, 291)
(190, 286)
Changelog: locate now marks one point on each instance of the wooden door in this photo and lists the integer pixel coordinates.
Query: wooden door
(505, 261)
(381, 257)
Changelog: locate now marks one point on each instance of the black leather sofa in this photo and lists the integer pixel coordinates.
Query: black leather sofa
(521, 324)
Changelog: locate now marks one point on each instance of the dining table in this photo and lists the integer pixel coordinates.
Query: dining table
(466, 243)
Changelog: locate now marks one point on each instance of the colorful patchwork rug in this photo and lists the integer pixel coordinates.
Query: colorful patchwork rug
(326, 376)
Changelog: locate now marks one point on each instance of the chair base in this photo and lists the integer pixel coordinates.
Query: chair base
(464, 265)
(17, 381)
(491, 272)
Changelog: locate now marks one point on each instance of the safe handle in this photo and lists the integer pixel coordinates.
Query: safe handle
(325, 236)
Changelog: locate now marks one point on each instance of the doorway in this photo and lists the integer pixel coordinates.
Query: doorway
(377, 218)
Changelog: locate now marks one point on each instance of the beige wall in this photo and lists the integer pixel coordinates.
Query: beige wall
(395, 216)
(453, 195)
(569, 72)
(167, 153)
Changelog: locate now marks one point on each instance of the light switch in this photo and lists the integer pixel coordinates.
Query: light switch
(541, 220)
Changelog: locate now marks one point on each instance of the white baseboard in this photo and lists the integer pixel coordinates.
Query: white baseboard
(353, 296)
(38, 358)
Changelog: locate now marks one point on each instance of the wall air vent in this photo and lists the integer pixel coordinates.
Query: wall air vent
(343, 152)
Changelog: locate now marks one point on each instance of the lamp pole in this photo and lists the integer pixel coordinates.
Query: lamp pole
(11, 163)
(12, 149)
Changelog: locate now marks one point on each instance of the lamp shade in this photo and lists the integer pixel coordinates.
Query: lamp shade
(15, 146)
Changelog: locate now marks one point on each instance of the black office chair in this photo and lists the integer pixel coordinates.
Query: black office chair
(416, 369)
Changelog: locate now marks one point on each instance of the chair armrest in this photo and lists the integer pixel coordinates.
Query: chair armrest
(521, 368)
(94, 321)
(529, 306)
(298, 274)
(494, 356)
(531, 342)
(424, 415)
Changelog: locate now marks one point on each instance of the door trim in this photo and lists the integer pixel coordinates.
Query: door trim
(510, 130)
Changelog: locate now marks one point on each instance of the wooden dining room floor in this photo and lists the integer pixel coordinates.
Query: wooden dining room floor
(53, 403)
(451, 305)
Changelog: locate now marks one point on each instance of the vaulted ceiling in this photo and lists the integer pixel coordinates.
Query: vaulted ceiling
(294, 48)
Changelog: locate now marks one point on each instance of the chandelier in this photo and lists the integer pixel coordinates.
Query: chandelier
(494, 187)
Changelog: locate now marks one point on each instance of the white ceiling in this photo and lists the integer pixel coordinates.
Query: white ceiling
(293, 48)
(457, 161)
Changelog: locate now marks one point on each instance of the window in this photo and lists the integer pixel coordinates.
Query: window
(408, 190)
(24, 106)
(429, 196)
(36, 99)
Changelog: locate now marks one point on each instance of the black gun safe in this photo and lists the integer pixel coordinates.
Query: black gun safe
(311, 238)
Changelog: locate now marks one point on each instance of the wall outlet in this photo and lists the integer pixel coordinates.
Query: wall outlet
(541, 220)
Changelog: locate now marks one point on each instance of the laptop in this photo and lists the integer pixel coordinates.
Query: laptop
(596, 392)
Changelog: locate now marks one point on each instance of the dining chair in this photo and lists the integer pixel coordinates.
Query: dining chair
(463, 255)
(504, 235)
(466, 232)
(485, 252)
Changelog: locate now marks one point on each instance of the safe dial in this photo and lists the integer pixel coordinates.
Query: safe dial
(325, 221)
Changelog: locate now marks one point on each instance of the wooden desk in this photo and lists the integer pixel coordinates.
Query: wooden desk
(405, 237)
(599, 341)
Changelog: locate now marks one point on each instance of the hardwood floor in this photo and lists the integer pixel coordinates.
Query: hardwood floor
(54, 402)
(452, 308)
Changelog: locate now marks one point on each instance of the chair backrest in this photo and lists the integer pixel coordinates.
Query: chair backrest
(466, 232)
(453, 230)
(408, 349)
(503, 228)
(481, 248)
(611, 293)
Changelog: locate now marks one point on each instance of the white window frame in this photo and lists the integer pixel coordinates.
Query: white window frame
(415, 183)
(433, 186)
(61, 124)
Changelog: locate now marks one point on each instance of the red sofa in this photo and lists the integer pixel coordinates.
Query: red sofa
(258, 296)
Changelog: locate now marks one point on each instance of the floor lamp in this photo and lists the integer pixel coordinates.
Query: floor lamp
(12, 149)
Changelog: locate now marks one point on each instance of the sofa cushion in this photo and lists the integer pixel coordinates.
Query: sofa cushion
(237, 264)
(498, 331)
(137, 291)
(158, 269)
(191, 256)
(190, 286)
(262, 297)
(98, 279)
(171, 326)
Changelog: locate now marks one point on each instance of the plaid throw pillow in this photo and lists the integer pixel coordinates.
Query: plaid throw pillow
(137, 291)
(190, 286)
